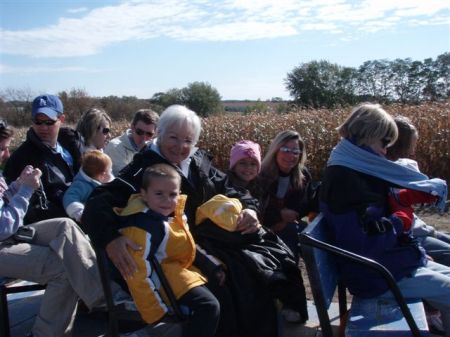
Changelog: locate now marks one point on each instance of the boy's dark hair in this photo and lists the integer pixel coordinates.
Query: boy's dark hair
(158, 171)
(147, 116)
(402, 146)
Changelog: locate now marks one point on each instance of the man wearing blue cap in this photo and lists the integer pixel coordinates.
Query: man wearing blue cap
(55, 150)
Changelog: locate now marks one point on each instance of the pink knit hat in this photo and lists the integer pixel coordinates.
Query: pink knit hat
(245, 149)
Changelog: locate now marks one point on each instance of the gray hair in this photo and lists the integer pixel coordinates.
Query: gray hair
(176, 115)
(367, 124)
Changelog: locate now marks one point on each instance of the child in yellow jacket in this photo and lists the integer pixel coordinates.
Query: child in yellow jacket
(155, 220)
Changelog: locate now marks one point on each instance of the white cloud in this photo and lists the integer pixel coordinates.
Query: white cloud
(226, 20)
(77, 10)
(5, 69)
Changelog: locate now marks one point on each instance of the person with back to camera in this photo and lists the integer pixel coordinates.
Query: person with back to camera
(354, 200)
(122, 149)
(177, 134)
(288, 192)
(259, 260)
(95, 128)
(54, 150)
(54, 252)
(154, 219)
(95, 170)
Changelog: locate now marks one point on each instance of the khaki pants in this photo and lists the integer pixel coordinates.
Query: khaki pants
(62, 258)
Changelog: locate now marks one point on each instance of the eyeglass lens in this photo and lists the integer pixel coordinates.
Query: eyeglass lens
(47, 122)
(288, 150)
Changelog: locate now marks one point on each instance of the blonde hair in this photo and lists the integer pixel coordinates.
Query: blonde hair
(90, 122)
(269, 166)
(95, 162)
(367, 124)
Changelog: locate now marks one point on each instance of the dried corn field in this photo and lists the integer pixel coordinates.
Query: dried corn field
(317, 127)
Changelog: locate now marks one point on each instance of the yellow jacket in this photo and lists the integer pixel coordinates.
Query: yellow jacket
(169, 240)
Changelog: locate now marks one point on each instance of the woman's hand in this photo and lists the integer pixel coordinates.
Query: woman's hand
(118, 253)
(289, 215)
(247, 222)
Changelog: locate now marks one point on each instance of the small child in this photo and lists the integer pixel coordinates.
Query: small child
(96, 169)
(155, 220)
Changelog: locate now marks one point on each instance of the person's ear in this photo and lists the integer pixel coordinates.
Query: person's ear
(62, 117)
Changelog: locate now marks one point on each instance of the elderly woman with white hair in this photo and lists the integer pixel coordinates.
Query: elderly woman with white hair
(177, 134)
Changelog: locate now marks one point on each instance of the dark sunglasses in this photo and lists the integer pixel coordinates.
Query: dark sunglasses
(3, 124)
(47, 122)
(140, 132)
(105, 131)
(285, 149)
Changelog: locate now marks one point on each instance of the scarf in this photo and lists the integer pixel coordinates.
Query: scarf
(349, 155)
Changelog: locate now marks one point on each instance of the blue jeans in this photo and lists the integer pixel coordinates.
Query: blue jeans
(431, 283)
(437, 247)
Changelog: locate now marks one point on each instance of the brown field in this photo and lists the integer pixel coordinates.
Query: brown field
(317, 127)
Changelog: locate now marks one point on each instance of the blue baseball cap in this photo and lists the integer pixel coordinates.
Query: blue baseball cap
(49, 105)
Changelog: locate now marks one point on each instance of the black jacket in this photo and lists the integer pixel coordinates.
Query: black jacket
(57, 175)
(303, 200)
(99, 219)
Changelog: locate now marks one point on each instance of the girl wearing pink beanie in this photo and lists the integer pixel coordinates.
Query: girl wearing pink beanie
(245, 161)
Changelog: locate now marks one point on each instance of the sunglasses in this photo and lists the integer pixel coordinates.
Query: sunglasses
(105, 131)
(285, 149)
(3, 124)
(47, 122)
(140, 132)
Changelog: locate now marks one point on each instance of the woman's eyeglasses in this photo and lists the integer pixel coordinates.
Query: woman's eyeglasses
(47, 122)
(141, 132)
(289, 150)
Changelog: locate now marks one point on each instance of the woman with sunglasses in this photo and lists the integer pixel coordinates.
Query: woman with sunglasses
(95, 127)
(53, 149)
(287, 194)
(287, 190)
(354, 199)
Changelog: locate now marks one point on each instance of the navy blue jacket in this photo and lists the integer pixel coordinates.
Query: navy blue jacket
(355, 207)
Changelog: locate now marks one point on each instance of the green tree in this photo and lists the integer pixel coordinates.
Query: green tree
(375, 80)
(320, 84)
(202, 98)
(442, 66)
(164, 99)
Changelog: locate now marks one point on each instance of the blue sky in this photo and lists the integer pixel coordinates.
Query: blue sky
(243, 48)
